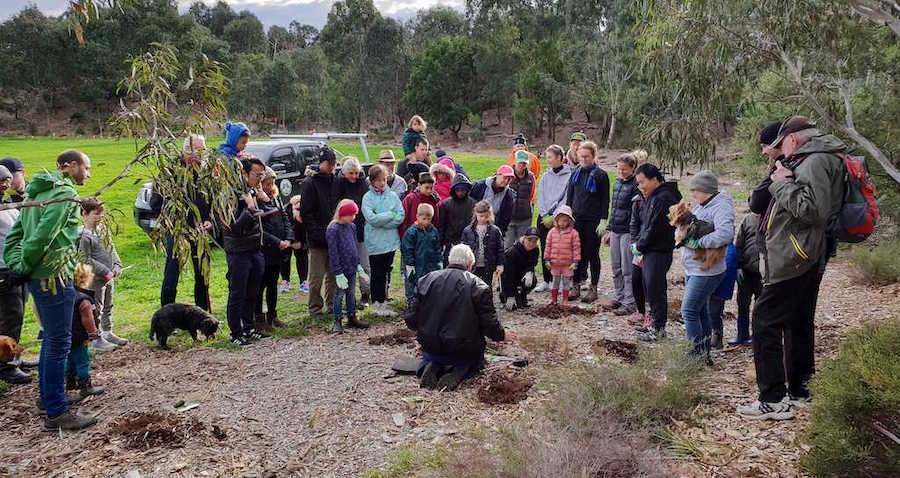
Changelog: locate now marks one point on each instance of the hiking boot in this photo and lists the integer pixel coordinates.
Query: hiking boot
(87, 389)
(542, 287)
(575, 291)
(612, 305)
(13, 375)
(285, 286)
(71, 382)
(625, 310)
(113, 339)
(101, 345)
(451, 379)
(591, 295)
(72, 398)
(28, 364)
(272, 319)
(240, 341)
(68, 421)
(652, 335)
(766, 411)
(715, 340)
(429, 378)
(355, 324)
(337, 328)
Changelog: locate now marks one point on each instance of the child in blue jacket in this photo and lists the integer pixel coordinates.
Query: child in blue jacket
(420, 249)
(343, 255)
(722, 294)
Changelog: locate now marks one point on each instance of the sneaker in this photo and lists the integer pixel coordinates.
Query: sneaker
(240, 341)
(798, 402)
(386, 310)
(766, 411)
(303, 287)
(636, 319)
(255, 335)
(625, 310)
(429, 378)
(113, 339)
(68, 421)
(86, 388)
(542, 287)
(740, 342)
(285, 286)
(652, 335)
(509, 306)
(101, 345)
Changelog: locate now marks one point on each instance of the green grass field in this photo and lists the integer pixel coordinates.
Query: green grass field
(137, 291)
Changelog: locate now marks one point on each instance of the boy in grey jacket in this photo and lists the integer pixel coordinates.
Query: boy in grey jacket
(107, 267)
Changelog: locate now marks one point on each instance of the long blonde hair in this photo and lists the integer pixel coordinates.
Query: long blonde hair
(84, 275)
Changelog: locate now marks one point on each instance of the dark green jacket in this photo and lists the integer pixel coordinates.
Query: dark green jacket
(43, 237)
(801, 210)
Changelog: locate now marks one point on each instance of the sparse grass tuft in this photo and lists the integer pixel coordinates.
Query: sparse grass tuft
(880, 264)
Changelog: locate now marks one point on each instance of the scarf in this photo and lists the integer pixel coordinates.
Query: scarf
(591, 184)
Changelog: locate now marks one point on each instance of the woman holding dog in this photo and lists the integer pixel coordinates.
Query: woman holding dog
(703, 258)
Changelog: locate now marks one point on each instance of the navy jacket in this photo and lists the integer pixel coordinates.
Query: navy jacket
(502, 217)
(620, 215)
(493, 245)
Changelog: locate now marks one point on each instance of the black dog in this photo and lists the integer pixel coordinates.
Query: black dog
(185, 317)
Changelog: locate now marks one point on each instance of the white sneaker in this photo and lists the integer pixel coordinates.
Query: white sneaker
(386, 310)
(766, 411)
(101, 345)
(797, 402)
(542, 287)
(113, 339)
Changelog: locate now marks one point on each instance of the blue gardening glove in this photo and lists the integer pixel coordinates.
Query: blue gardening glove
(341, 281)
(740, 278)
(440, 265)
(547, 221)
(692, 243)
(634, 250)
(362, 273)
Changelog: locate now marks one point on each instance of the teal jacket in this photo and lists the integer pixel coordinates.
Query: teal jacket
(384, 214)
(42, 242)
(421, 249)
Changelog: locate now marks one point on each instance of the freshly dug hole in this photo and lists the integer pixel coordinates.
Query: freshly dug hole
(557, 311)
(400, 337)
(150, 430)
(500, 388)
(627, 351)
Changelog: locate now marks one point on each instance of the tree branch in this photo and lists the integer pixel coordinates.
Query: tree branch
(26, 204)
(885, 432)
(872, 10)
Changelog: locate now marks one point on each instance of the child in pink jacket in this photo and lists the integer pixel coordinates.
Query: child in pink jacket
(443, 172)
(562, 253)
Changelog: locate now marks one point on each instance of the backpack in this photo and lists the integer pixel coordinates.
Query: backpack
(855, 221)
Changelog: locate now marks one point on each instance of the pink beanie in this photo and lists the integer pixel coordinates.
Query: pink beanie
(447, 161)
(348, 209)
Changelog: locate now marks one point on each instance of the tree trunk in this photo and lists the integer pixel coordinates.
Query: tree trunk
(612, 130)
(874, 12)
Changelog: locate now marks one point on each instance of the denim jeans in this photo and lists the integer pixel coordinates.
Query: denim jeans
(409, 284)
(79, 363)
(341, 294)
(55, 310)
(695, 310)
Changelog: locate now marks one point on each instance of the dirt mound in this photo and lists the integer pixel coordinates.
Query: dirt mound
(557, 311)
(400, 337)
(501, 388)
(627, 351)
(150, 430)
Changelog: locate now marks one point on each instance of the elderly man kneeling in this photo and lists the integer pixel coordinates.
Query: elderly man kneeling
(452, 312)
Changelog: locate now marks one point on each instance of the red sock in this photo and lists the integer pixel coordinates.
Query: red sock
(565, 297)
(554, 294)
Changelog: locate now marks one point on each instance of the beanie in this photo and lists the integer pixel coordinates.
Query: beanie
(705, 181)
(348, 209)
(440, 153)
(769, 133)
(520, 139)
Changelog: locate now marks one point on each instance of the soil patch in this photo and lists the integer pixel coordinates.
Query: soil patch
(400, 337)
(150, 430)
(627, 351)
(556, 311)
(499, 388)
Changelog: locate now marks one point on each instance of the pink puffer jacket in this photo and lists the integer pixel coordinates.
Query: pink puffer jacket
(563, 247)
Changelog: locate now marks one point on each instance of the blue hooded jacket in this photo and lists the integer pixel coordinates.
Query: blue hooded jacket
(726, 287)
(233, 132)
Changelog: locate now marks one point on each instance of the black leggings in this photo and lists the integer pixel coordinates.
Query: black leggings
(381, 271)
(590, 253)
(542, 235)
(302, 258)
(637, 288)
(269, 285)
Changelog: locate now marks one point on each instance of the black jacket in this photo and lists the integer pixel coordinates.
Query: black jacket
(518, 262)
(657, 235)
(524, 187)
(493, 245)
(760, 197)
(344, 189)
(452, 312)
(79, 333)
(504, 215)
(620, 216)
(634, 227)
(244, 233)
(317, 207)
(588, 207)
(455, 213)
(276, 228)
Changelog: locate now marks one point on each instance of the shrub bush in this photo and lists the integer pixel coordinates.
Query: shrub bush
(879, 264)
(857, 407)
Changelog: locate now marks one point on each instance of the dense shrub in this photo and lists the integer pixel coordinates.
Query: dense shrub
(879, 264)
(855, 395)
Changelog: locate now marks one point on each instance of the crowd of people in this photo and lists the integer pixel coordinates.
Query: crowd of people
(458, 238)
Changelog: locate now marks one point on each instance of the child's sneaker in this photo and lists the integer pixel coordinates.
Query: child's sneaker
(304, 287)
(542, 287)
(113, 339)
(766, 411)
(285, 286)
(101, 345)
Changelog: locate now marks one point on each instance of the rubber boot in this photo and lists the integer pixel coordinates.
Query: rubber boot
(554, 295)
(87, 389)
(715, 340)
(338, 328)
(356, 324)
(565, 302)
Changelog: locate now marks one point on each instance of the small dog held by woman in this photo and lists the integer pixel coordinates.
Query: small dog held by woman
(687, 227)
(184, 317)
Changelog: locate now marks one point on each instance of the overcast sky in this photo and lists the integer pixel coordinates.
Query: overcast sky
(270, 12)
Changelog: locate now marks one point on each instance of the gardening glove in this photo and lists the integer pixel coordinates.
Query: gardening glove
(362, 273)
(692, 243)
(410, 270)
(740, 278)
(440, 265)
(548, 265)
(341, 281)
(499, 269)
(600, 228)
(547, 221)
(634, 250)
(529, 277)
(573, 266)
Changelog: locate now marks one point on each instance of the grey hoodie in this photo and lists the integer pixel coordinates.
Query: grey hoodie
(719, 211)
(105, 260)
(7, 219)
(552, 189)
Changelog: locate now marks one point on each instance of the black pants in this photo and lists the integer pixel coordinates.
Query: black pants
(748, 289)
(301, 257)
(637, 288)
(590, 252)
(485, 274)
(172, 273)
(542, 234)
(786, 312)
(514, 286)
(12, 312)
(268, 288)
(381, 271)
(245, 270)
(656, 266)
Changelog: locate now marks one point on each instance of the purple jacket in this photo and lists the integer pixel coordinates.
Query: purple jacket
(343, 251)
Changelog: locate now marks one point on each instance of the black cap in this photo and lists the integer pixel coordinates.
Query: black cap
(12, 164)
(768, 134)
(326, 154)
(792, 125)
(531, 232)
(520, 139)
(440, 153)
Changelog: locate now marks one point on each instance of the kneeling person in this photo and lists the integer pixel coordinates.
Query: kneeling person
(518, 279)
(452, 312)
